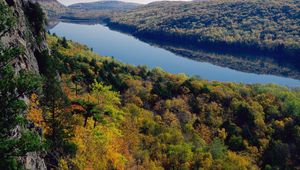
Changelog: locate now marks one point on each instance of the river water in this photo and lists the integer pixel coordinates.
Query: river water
(131, 50)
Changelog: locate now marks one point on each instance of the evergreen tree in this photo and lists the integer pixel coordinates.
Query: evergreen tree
(36, 17)
(55, 105)
(12, 108)
(15, 139)
(64, 42)
(6, 19)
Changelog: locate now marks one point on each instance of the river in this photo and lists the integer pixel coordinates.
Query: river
(130, 50)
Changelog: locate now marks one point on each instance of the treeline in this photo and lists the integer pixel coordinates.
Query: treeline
(127, 117)
(252, 26)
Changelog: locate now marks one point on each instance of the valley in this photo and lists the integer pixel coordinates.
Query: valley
(210, 85)
(176, 59)
(265, 55)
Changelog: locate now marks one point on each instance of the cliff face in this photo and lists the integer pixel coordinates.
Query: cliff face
(22, 35)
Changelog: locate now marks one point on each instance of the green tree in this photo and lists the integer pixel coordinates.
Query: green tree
(278, 155)
(77, 79)
(236, 143)
(64, 42)
(90, 109)
(104, 94)
(57, 117)
(180, 156)
(12, 88)
(217, 149)
(36, 17)
(6, 19)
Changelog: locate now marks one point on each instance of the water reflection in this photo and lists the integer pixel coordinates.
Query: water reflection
(180, 59)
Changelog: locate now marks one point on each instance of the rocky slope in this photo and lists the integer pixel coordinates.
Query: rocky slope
(22, 35)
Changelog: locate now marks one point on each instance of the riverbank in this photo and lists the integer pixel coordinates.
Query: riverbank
(262, 62)
(193, 40)
(177, 59)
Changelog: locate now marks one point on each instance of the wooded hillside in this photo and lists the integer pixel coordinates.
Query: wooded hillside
(132, 117)
(267, 26)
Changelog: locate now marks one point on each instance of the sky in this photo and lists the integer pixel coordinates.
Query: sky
(68, 2)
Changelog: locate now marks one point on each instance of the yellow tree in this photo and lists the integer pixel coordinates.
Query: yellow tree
(35, 113)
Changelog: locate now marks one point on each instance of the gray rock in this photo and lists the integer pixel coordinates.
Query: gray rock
(33, 161)
(22, 36)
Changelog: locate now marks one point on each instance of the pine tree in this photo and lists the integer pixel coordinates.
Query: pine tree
(57, 117)
(12, 108)
(14, 87)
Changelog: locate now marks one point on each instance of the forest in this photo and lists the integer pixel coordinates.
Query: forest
(86, 111)
(266, 26)
(117, 116)
(245, 62)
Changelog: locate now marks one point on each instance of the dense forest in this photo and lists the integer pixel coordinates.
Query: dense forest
(84, 11)
(132, 117)
(86, 111)
(267, 26)
(245, 62)
(105, 5)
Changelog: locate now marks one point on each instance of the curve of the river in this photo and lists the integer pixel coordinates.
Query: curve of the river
(130, 50)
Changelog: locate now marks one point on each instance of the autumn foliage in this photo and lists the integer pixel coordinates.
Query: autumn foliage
(127, 117)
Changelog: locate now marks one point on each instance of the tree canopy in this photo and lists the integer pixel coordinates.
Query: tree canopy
(133, 117)
(267, 26)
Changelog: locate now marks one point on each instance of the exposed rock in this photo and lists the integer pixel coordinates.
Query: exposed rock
(33, 161)
(21, 35)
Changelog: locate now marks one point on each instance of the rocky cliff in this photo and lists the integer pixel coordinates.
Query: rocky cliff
(25, 36)
(22, 35)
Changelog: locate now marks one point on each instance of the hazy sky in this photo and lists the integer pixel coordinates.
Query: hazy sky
(68, 2)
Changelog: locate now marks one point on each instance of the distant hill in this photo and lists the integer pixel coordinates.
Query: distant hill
(105, 5)
(251, 25)
(84, 11)
(63, 106)
(53, 8)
